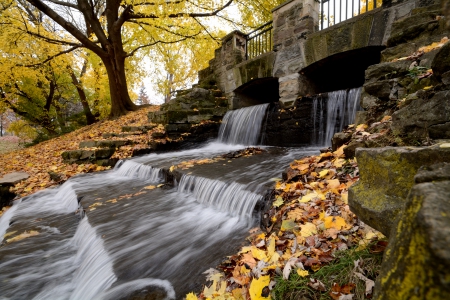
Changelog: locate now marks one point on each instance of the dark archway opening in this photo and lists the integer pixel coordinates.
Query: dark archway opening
(343, 70)
(257, 91)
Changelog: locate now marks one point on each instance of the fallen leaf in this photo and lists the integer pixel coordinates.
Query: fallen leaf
(257, 286)
(278, 202)
(302, 273)
(288, 225)
(316, 284)
(150, 187)
(191, 296)
(335, 222)
(308, 229)
(22, 236)
(369, 283)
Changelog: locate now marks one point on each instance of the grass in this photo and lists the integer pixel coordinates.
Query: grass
(340, 271)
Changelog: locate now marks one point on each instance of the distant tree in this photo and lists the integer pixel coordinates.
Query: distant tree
(143, 98)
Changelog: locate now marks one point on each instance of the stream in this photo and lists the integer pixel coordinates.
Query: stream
(112, 235)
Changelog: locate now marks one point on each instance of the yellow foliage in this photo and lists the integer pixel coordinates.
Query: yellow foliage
(257, 286)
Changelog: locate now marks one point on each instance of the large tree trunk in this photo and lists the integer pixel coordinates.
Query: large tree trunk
(115, 67)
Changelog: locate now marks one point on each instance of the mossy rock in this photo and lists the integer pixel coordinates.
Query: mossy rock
(416, 264)
(386, 176)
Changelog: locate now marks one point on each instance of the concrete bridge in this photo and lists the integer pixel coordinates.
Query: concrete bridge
(299, 57)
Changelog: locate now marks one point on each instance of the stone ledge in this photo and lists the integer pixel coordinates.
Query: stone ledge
(12, 178)
(386, 176)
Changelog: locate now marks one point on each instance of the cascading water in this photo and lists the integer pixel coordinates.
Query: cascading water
(341, 107)
(136, 237)
(243, 126)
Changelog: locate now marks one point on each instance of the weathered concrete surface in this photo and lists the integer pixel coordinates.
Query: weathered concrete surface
(416, 264)
(386, 176)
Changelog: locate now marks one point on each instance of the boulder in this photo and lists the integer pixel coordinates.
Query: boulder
(340, 139)
(416, 264)
(441, 61)
(423, 117)
(386, 176)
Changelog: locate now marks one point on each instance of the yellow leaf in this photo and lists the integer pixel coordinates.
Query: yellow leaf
(335, 222)
(361, 127)
(386, 119)
(271, 246)
(259, 254)
(323, 173)
(257, 286)
(278, 202)
(344, 197)
(308, 197)
(160, 185)
(150, 187)
(338, 163)
(191, 296)
(339, 152)
(308, 229)
(172, 168)
(300, 272)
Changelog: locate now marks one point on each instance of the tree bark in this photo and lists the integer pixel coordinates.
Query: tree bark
(90, 119)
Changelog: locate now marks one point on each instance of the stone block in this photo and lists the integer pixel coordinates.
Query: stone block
(104, 153)
(13, 178)
(87, 144)
(86, 154)
(416, 264)
(380, 89)
(398, 51)
(386, 176)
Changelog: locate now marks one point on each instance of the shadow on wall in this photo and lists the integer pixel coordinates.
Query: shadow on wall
(343, 70)
(257, 91)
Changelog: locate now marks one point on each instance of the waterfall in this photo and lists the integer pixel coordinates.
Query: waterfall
(341, 108)
(243, 126)
(231, 198)
(137, 170)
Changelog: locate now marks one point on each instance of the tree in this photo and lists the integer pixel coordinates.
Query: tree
(115, 30)
(143, 97)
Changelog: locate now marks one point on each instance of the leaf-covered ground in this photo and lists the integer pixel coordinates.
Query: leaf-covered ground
(308, 228)
(45, 157)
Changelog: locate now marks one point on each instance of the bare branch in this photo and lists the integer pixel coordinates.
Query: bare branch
(159, 42)
(52, 57)
(63, 3)
(179, 15)
(206, 29)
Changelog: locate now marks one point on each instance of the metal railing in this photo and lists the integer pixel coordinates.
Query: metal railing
(333, 12)
(259, 41)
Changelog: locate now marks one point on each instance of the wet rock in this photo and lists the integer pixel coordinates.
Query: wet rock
(380, 89)
(386, 176)
(144, 128)
(56, 177)
(158, 135)
(416, 264)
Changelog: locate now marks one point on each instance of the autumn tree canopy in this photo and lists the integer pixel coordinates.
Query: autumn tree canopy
(119, 33)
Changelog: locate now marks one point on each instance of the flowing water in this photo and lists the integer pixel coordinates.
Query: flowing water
(112, 235)
(341, 107)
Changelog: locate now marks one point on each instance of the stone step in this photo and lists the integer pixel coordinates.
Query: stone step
(143, 128)
(186, 116)
(120, 135)
(101, 157)
(105, 143)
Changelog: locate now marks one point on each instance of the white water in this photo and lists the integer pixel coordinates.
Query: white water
(227, 197)
(340, 112)
(158, 239)
(243, 126)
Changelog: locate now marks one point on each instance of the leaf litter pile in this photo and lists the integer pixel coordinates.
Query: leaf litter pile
(308, 229)
(45, 157)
